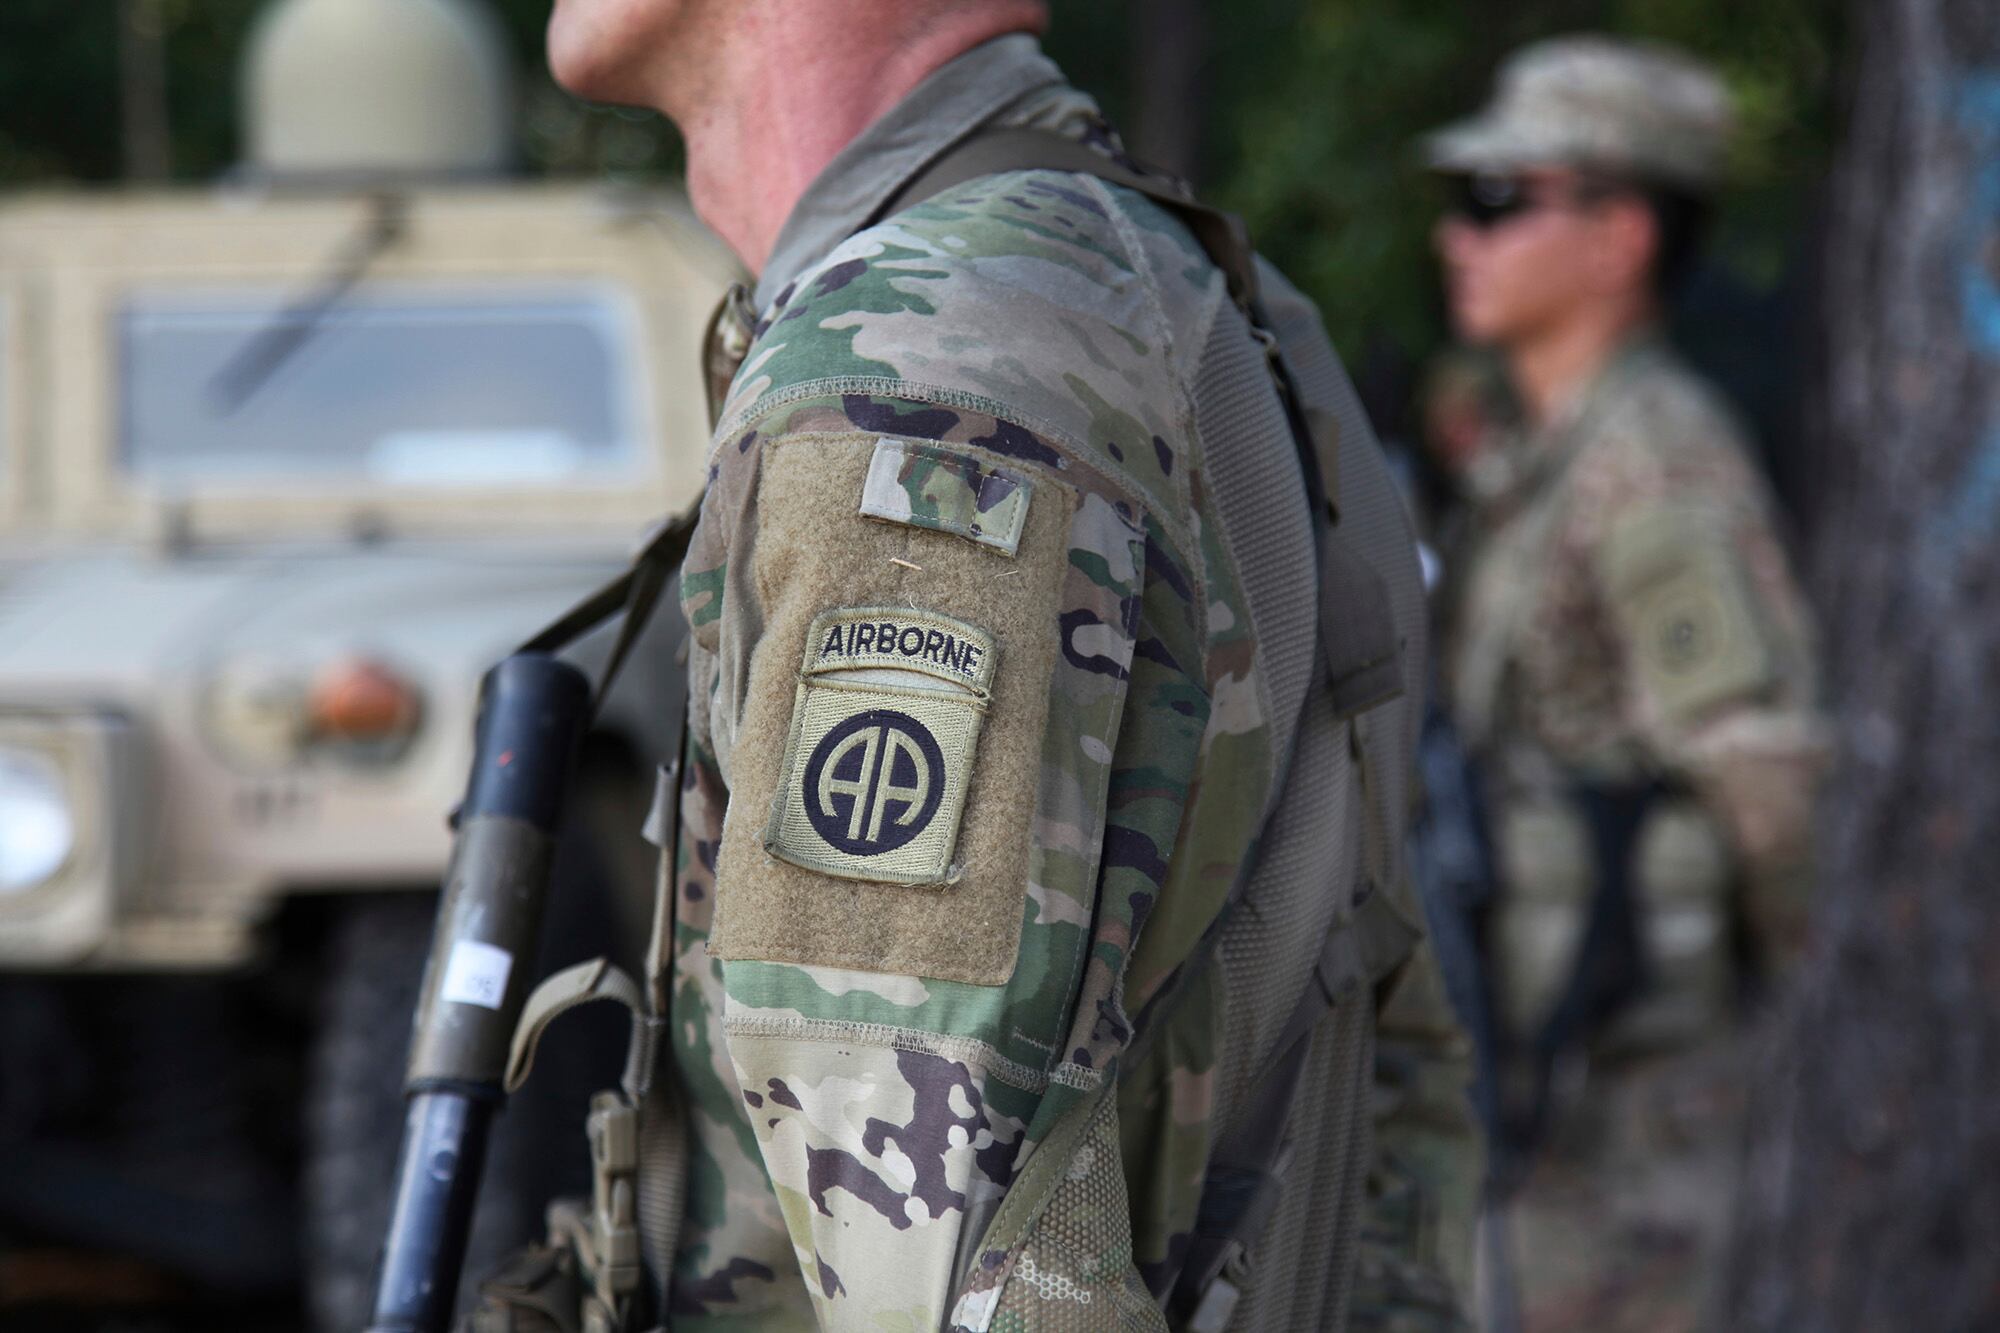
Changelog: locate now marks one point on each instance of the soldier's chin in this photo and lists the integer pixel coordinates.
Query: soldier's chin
(582, 58)
(1483, 322)
(1472, 322)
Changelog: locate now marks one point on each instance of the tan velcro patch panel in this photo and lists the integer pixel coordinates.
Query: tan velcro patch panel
(816, 566)
(880, 751)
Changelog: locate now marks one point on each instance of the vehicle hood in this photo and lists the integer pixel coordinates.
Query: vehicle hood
(117, 627)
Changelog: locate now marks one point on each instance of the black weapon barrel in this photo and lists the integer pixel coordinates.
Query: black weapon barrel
(533, 712)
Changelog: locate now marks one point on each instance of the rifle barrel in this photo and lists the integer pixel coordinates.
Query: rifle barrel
(533, 712)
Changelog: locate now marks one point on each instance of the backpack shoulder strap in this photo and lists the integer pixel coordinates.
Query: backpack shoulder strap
(1360, 652)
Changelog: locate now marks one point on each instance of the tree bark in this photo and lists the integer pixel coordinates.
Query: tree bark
(1170, 69)
(1872, 1194)
(142, 85)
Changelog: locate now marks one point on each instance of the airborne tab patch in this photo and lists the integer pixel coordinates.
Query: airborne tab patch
(909, 640)
(883, 731)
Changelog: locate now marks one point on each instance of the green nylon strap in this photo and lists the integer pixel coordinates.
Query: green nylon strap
(581, 984)
(636, 592)
(659, 1185)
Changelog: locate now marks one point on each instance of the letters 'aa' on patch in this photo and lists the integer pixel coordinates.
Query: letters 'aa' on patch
(884, 725)
(942, 489)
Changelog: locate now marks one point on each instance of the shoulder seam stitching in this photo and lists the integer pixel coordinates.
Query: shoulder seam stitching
(965, 1050)
(1143, 268)
(918, 391)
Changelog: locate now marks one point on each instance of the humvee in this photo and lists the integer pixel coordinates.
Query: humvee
(283, 469)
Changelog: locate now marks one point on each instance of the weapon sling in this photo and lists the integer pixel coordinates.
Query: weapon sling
(465, 1051)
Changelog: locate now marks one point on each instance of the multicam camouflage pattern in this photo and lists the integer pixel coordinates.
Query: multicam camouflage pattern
(1638, 108)
(1414, 1265)
(1623, 1225)
(880, 1212)
(947, 491)
(875, 1151)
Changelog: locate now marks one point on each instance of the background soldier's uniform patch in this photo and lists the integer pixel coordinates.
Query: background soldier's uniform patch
(1682, 602)
(880, 753)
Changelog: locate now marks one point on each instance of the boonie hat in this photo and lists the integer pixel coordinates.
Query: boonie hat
(1642, 109)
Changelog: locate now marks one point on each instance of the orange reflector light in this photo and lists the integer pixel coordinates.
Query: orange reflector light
(359, 700)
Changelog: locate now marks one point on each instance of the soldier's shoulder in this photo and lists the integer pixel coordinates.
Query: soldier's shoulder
(1042, 298)
(1664, 390)
(1663, 428)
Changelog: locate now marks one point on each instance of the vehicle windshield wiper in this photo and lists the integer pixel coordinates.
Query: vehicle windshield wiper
(251, 366)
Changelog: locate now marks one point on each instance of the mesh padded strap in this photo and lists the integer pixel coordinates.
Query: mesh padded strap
(1247, 1168)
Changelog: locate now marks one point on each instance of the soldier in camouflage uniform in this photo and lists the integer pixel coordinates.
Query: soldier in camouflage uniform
(1002, 610)
(1628, 637)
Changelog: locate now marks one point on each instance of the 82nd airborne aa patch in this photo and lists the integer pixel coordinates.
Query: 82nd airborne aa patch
(879, 756)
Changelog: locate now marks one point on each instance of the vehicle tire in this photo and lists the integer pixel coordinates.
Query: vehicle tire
(128, 1129)
(353, 1104)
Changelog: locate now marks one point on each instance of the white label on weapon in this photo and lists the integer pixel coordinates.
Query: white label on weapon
(476, 974)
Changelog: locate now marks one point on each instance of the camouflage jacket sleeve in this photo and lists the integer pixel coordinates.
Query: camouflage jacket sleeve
(1720, 673)
(977, 695)
(1429, 1166)
(940, 729)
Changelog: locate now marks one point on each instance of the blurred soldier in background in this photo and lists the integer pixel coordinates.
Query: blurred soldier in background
(1632, 664)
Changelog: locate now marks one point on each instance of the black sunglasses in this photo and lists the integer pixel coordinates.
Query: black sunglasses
(1487, 198)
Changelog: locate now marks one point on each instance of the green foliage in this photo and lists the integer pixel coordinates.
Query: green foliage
(59, 95)
(204, 39)
(58, 91)
(563, 136)
(1313, 110)
(1316, 108)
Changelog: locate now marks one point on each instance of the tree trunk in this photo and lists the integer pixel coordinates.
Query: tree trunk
(1872, 1195)
(1170, 74)
(142, 85)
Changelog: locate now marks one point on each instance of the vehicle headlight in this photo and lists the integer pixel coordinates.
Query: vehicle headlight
(37, 825)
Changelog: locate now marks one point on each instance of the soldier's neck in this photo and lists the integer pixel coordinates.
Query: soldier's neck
(1554, 365)
(793, 86)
